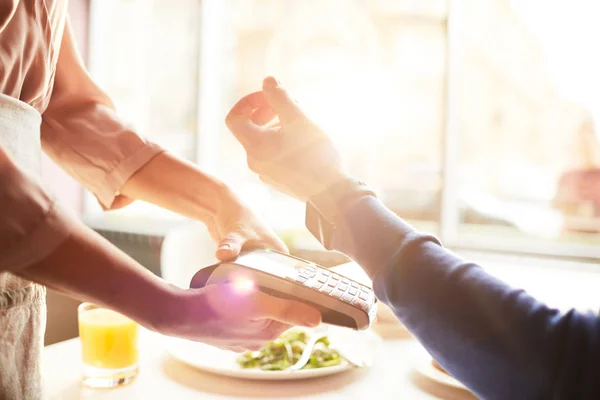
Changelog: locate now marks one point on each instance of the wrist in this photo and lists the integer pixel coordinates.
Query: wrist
(168, 310)
(324, 209)
(324, 181)
(334, 199)
(187, 314)
(226, 202)
(331, 178)
(212, 200)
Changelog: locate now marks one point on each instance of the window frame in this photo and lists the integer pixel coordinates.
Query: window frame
(209, 121)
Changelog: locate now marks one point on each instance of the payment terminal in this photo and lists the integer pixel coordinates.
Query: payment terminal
(342, 301)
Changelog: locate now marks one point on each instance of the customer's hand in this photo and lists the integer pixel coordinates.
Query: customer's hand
(235, 316)
(234, 226)
(283, 145)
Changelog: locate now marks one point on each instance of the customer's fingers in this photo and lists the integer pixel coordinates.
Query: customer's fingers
(263, 115)
(280, 100)
(240, 122)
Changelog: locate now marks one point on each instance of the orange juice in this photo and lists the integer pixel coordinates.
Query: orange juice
(108, 339)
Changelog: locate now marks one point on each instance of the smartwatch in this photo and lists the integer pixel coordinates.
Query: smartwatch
(323, 209)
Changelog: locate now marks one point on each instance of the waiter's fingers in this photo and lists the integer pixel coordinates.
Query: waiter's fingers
(288, 312)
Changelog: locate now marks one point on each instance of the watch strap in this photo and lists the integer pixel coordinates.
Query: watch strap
(331, 202)
(323, 209)
(319, 227)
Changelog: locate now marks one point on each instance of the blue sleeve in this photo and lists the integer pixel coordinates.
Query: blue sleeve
(499, 341)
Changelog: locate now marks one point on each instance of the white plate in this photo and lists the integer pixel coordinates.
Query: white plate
(423, 365)
(221, 362)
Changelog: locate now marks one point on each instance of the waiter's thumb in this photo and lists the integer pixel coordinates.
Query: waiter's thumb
(280, 100)
(230, 246)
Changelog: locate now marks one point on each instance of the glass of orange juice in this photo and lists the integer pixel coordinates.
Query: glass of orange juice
(109, 347)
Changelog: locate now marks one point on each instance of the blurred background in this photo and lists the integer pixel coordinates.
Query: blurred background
(476, 120)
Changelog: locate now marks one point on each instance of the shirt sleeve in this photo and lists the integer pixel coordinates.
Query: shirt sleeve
(82, 133)
(32, 224)
(498, 340)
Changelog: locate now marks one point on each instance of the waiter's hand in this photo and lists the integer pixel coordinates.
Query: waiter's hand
(235, 316)
(235, 226)
(283, 145)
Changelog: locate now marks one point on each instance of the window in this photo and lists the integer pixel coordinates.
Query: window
(457, 113)
(526, 147)
(354, 68)
(145, 54)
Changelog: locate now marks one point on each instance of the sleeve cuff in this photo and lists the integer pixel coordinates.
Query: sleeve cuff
(52, 230)
(108, 194)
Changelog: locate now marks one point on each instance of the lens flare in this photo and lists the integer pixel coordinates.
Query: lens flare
(242, 284)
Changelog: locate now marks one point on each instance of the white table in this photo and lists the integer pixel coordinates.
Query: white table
(163, 377)
(391, 377)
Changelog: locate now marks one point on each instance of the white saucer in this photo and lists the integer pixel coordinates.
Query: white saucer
(423, 365)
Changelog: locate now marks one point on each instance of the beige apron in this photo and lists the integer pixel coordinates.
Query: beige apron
(22, 303)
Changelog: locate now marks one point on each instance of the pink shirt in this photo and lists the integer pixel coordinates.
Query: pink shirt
(80, 131)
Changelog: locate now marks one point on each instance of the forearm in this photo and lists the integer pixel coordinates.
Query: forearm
(481, 330)
(179, 186)
(82, 133)
(89, 268)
